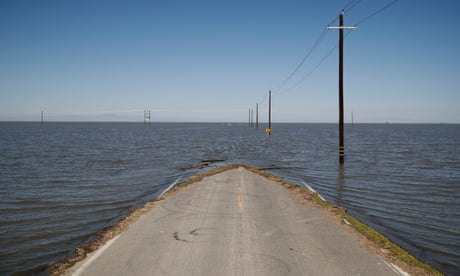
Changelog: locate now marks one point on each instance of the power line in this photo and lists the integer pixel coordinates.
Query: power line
(317, 65)
(264, 99)
(315, 45)
(376, 12)
(320, 38)
(347, 8)
(350, 6)
(313, 70)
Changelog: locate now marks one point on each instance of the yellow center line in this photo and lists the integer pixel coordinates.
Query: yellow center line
(240, 197)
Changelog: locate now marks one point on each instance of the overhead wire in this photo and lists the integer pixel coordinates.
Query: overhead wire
(264, 99)
(315, 45)
(347, 8)
(328, 54)
(318, 41)
(320, 38)
(313, 70)
(350, 6)
(376, 12)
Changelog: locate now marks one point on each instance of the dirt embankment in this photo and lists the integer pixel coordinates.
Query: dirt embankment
(370, 238)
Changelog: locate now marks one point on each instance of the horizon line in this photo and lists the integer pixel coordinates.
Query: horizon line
(231, 122)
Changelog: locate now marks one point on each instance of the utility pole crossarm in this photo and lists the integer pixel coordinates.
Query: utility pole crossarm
(341, 117)
(341, 27)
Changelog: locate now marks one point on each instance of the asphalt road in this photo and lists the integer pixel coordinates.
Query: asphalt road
(234, 223)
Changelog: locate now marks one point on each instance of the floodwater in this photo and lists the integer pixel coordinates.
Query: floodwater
(60, 183)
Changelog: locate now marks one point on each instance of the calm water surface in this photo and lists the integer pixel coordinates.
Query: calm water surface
(62, 182)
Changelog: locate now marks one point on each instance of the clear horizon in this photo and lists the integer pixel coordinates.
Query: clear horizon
(212, 61)
(261, 124)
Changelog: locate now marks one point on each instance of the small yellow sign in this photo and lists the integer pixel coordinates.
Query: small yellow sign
(268, 130)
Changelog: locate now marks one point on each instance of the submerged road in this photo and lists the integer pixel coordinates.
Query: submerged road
(234, 223)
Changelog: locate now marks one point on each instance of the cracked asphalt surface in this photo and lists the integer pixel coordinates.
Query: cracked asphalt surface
(233, 223)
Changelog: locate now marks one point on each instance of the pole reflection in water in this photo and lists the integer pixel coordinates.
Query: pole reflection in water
(340, 183)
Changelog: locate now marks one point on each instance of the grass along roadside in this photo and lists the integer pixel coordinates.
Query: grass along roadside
(375, 241)
(371, 238)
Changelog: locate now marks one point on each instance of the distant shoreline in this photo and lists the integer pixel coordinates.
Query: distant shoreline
(238, 123)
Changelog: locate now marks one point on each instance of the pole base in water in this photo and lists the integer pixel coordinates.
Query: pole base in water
(341, 154)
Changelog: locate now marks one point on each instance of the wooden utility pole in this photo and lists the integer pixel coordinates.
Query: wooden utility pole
(341, 139)
(249, 118)
(269, 129)
(341, 128)
(257, 116)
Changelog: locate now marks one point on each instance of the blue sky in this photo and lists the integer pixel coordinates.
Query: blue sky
(213, 60)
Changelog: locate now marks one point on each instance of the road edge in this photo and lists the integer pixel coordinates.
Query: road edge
(371, 239)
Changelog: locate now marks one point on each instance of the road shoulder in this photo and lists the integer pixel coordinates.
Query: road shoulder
(304, 196)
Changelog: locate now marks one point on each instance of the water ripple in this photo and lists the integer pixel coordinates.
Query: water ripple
(62, 182)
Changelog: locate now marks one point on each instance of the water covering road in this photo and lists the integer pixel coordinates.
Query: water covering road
(61, 183)
(234, 223)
